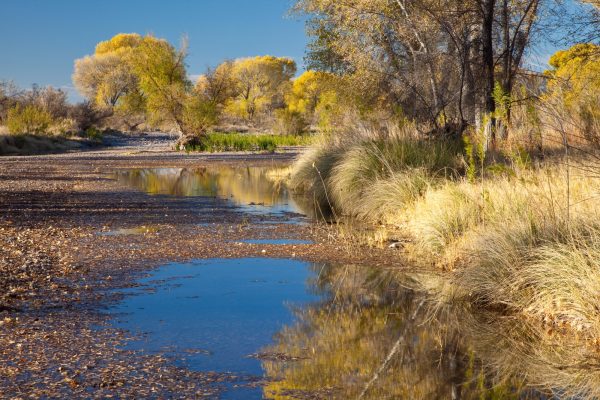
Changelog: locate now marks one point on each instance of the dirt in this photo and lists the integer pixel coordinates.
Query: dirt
(57, 269)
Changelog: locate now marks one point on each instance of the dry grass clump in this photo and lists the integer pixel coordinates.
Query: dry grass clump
(555, 279)
(373, 178)
(531, 244)
(309, 176)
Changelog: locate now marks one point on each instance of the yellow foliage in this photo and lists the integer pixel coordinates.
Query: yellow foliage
(305, 92)
(259, 82)
(575, 84)
(119, 41)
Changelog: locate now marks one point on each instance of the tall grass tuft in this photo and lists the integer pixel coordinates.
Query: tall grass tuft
(310, 174)
(371, 178)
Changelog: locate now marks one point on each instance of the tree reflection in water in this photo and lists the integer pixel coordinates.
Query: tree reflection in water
(433, 350)
(243, 185)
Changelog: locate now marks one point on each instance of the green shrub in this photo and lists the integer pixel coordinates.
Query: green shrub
(93, 134)
(28, 119)
(199, 115)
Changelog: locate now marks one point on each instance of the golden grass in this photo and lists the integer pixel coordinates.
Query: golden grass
(528, 241)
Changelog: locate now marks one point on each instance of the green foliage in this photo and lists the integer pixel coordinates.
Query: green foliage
(28, 119)
(162, 77)
(93, 133)
(198, 115)
(219, 142)
(502, 100)
(499, 169)
(471, 158)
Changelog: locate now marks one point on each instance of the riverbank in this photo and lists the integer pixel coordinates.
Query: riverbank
(524, 239)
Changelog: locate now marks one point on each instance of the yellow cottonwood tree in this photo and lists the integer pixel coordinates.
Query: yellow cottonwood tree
(130, 73)
(306, 89)
(575, 84)
(260, 83)
(217, 85)
(105, 77)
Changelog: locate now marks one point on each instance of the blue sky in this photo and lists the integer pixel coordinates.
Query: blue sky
(42, 38)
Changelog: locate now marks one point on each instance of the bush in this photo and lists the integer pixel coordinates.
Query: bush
(93, 134)
(199, 115)
(63, 127)
(85, 116)
(289, 122)
(28, 119)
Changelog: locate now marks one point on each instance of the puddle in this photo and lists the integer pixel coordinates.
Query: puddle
(259, 190)
(327, 331)
(140, 230)
(277, 241)
(348, 332)
(212, 314)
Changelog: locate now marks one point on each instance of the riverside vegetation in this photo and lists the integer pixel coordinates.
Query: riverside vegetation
(487, 173)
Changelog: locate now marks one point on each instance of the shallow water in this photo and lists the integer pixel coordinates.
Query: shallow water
(212, 314)
(336, 331)
(256, 190)
(140, 230)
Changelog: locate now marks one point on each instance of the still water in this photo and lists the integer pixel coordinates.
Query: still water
(256, 190)
(212, 315)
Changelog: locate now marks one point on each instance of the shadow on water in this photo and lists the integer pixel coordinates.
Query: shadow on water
(255, 189)
(324, 331)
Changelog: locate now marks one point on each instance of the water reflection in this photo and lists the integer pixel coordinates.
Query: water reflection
(374, 337)
(254, 188)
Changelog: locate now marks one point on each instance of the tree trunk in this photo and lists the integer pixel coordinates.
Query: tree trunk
(487, 55)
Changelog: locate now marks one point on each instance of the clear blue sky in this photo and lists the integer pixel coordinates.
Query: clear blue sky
(42, 38)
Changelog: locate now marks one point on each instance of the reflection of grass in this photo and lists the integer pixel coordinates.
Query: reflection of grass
(445, 350)
(344, 346)
(218, 142)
